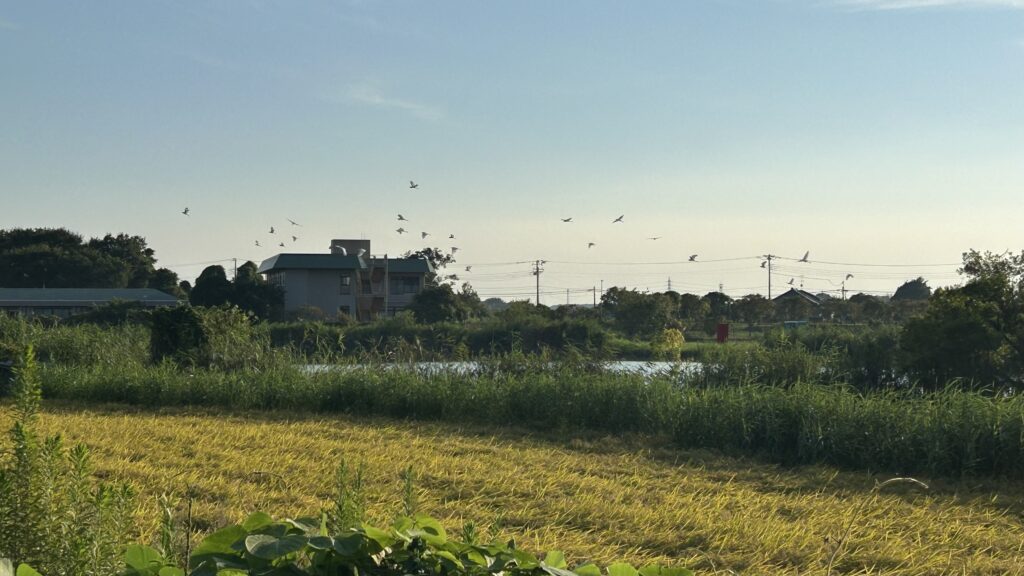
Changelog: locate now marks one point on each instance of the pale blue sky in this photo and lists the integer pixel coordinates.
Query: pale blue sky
(868, 132)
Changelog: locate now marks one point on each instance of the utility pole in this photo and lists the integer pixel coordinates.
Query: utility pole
(236, 266)
(566, 296)
(669, 283)
(594, 290)
(769, 258)
(844, 290)
(536, 272)
(387, 288)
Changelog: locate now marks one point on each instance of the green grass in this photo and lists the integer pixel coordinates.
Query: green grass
(596, 496)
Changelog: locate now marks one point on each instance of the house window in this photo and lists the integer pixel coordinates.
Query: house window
(276, 278)
(405, 284)
(346, 283)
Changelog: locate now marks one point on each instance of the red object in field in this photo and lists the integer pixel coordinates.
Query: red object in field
(722, 334)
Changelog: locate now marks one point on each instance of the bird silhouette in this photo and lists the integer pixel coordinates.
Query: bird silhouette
(468, 268)
(804, 259)
(848, 276)
(413, 184)
(693, 258)
(790, 282)
(257, 242)
(281, 244)
(293, 222)
(271, 229)
(619, 219)
(567, 219)
(295, 238)
(455, 249)
(763, 264)
(590, 245)
(423, 235)
(451, 236)
(654, 237)
(185, 211)
(400, 230)
(402, 218)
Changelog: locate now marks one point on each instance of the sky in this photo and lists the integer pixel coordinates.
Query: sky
(884, 137)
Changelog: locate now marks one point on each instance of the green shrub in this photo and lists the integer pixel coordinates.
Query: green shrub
(52, 515)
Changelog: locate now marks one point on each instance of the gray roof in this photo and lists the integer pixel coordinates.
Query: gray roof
(81, 296)
(799, 294)
(339, 262)
(311, 262)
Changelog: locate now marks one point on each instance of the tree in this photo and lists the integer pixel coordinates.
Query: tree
(636, 314)
(438, 304)
(718, 304)
(438, 261)
(58, 258)
(753, 308)
(691, 308)
(917, 289)
(253, 294)
(166, 281)
(974, 331)
(212, 288)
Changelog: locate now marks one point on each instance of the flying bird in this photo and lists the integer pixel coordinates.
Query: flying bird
(451, 236)
(804, 259)
(271, 229)
(295, 238)
(848, 276)
(468, 268)
(423, 235)
(413, 184)
(590, 245)
(693, 258)
(293, 222)
(790, 282)
(402, 218)
(567, 219)
(654, 237)
(257, 242)
(763, 264)
(281, 244)
(185, 211)
(619, 219)
(400, 230)
(455, 249)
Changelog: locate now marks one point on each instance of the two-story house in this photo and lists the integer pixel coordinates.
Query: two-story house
(348, 280)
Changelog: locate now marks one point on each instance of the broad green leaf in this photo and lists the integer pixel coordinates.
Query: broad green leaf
(26, 570)
(321, 543)
(220, 542)
(525, 560)
(171, 571)
(587, 570)
(622, 569)
(676, 572)
(270, 548)
(257, 520)
(379, 536)
(431, 526)
(142, 558)
(349, 545)
(555, 559)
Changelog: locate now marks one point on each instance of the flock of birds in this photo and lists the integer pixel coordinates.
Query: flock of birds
(272, 230)
(423, 236)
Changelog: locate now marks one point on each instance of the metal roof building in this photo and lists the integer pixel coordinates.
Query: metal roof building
(64, 302)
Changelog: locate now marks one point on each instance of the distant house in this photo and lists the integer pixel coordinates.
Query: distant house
(797, 294)
(348, 280)
(65, 302)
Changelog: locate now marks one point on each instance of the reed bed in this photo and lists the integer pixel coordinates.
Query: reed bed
(949, 433)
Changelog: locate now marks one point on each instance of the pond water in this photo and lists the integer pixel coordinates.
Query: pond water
(618, 366)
